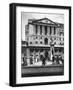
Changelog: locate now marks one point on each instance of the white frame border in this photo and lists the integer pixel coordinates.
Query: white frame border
(19, 79)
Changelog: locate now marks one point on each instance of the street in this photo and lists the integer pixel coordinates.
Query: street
(50, 70)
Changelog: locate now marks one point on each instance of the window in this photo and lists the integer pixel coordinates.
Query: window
(27, 39)
(60, 43)
(41, 50)
(41, 42)
(45, 30)
(36, 37)
(31, 50)
(63, 39)
(54, 38)
(46, 41)
(41, 30)
(30, 42)
(55, 43)
(60, 33)
(56, 50)
(36, 50)
(40, 37)
(60, 50)
(36, 42)
(36, 55)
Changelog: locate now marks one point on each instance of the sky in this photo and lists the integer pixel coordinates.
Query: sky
(52, 16)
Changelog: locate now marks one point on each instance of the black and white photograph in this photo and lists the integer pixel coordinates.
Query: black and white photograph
(42, 44)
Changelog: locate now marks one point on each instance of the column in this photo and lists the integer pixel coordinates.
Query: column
(34, 29)
(39, 54)
(56, 31)
(48, 28)
(28, 56)
(52, 52)
(34, 56)
(52, 30)
(38, 29)
(43, 30)
(48, 40)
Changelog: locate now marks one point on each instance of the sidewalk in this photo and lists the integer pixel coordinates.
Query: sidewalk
(50, 70)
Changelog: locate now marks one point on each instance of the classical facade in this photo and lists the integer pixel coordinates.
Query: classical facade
(43, 36)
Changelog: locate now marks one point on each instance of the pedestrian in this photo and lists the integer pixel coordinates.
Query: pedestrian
(24, 61)
(60, 58)
(53, 58)
(43, 61)
(48, 58)
(31, 60)
(57, 60)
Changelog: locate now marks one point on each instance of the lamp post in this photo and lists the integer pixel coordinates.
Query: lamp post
(51, 49)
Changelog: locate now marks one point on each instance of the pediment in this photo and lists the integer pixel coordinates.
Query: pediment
(44, 20)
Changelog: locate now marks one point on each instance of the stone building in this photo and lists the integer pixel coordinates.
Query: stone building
(43, 36)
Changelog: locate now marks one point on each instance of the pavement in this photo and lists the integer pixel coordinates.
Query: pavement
(50, 70)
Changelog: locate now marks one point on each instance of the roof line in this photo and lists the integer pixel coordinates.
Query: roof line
(43, 19)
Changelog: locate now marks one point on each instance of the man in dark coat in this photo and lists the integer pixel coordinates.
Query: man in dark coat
(60, 59)
(43, 61)
(31, 60)
(57, 60)
(53, 58)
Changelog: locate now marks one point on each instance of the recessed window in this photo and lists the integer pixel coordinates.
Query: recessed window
(31, 55)
(63, 39)
(36, 42)
(54, 38)
(41, 50)
(46, 41)
(31, 50)
(55, 43)
(36, 50)
(36, 37)
(36, 55)
(41, 42)
(60, 39)
(27, 39)
(30, 42)
(40, 37)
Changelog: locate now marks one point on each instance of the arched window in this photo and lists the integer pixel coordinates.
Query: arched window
(45, 41)
(41, 42)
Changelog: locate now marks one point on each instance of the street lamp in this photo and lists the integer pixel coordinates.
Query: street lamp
(51, 49)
